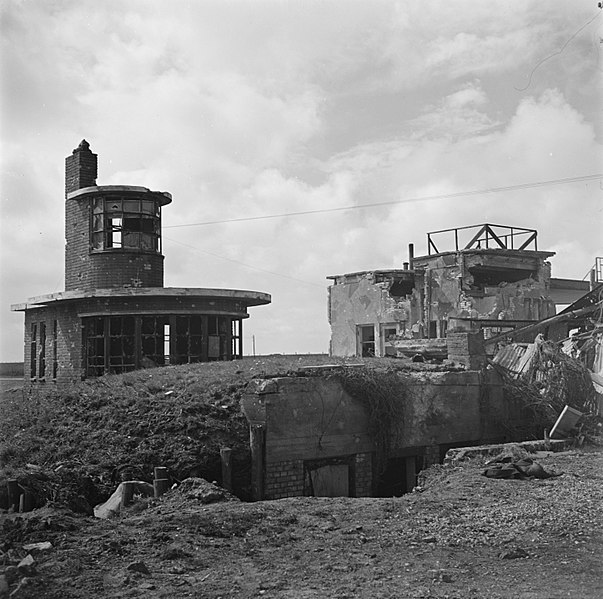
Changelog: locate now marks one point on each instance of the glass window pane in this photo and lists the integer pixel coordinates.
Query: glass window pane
(148, 206)
(131, 205)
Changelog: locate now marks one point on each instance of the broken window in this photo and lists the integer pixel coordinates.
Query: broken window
(118, 344)
(484, 276)
(121, 344)
(188, 339)
(217, 330)
(236, 338)
(401, 287)
(42, 352)
(155, 341)
(55, 353)
(33, 357)
(366, 340)
(126, 223)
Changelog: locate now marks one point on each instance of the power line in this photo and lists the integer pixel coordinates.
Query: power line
(270, 272)
(404, 201)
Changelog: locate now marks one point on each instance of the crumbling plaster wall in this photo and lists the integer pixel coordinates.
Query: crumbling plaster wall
(450, 290)
(365, 302)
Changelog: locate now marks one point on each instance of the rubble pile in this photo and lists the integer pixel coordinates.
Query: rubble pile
(548, 381)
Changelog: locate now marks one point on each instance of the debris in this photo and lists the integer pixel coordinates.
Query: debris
(516, 553)
(44, 546)
(113, 505)
(525, 468)
(565, 423)
(27, 565)
(138, 567)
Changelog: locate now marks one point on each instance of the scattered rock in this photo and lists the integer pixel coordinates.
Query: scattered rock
(44, 546)
(146, 586)
(27, 566)
(202, 491)
(516, 553)
(138, 567)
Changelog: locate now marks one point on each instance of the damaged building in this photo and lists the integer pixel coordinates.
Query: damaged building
(115, 315)
(494, 281)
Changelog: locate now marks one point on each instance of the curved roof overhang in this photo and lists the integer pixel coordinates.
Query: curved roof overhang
(247, 298)
(163, 197)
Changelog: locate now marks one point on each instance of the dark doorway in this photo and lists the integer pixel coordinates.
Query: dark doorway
(399, 476)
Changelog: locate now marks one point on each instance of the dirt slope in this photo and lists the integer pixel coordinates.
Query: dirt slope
(464, 536)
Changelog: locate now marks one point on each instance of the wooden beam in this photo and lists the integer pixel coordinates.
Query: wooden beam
(256, 442)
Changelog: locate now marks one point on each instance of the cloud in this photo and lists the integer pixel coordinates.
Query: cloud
(241, 109)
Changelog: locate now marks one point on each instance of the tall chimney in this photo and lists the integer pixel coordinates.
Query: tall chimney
(411, 255)
(80, 168)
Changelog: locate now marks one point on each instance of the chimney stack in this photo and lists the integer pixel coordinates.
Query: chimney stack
(80, 168)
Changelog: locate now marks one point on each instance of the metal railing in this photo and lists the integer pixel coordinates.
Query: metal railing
(486, 236)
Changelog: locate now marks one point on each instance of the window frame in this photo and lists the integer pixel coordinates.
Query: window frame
(122, 223)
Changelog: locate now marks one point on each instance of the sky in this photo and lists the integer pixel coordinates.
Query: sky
(244, 109)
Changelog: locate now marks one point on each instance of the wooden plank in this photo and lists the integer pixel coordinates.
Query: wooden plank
(331, 481)
(256, 442)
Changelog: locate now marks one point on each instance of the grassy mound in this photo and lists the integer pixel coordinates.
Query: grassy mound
(179, 417)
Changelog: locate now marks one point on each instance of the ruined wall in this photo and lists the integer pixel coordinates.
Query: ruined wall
(310, 419)
(487, 284)
(365, 302)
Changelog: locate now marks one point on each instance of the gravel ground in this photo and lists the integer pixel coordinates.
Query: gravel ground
(461, 536)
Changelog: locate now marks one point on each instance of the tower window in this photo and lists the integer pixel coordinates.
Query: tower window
(126, 223)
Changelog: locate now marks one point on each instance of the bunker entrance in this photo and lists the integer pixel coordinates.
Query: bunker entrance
(399, 476)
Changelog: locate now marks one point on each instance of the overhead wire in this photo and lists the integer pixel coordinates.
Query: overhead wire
(250, 266)
(392, 202)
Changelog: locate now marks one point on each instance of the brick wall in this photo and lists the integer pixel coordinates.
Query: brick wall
(284, 479)
(467, 348)
(68, 345)
(363, 475)
(431, 456)
(86, 270)
(81, 168)
(124, 269)
(77, 244)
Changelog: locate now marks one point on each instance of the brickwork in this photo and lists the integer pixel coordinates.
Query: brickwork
(81, 168)
(284, 479)
(363, 475)
(86, 270)
(77, 244)
(68, 345)
(125, 269)
(431, 456)
(467, 348)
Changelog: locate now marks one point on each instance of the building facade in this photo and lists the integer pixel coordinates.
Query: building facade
(115, 315)
(497, 281)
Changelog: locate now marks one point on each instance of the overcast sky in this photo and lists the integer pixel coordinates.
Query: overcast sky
(244, 109)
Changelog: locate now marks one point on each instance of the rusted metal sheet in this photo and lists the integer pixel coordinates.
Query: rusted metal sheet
(515, 357)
